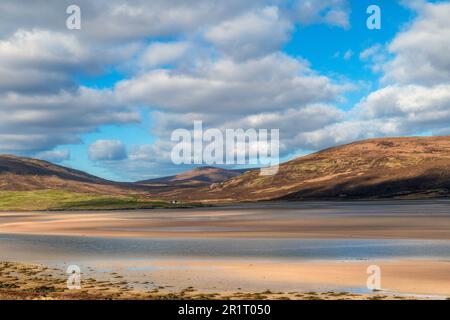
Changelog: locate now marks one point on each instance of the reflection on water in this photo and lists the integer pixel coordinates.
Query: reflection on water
(29, 248)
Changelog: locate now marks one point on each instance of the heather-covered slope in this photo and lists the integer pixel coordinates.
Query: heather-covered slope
(26, 174)
(196, 177)
(417, 167)
(378, 168)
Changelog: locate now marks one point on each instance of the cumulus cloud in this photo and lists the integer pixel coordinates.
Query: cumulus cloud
(162, 53)
(107, 150)
(147, 161)
(43, 106)
(54, 155)
(272, 92)
(39, 61)
(347, 131)
(415, 94)
(416, 108)
(251, 35)
(42, 61)
(418, 100)
(222, 65)
(31, 123)
(375, 56)
(115, 21)
(421, 51)
(273, 82)
(332, 12)
(390, 111)
(118, 20)
(293, 123)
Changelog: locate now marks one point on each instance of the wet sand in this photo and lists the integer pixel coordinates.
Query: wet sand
(407, 220)
(407, 226)
(227, 280)
(418, 277)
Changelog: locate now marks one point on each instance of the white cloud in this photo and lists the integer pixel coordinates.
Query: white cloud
(416, 108)
(419, 99)
(41, 104)
(39, 61)
(30, 123)
(416, 75)
(118, 20)
(107, 150)
(376, 56)
(332, 12)
(254, 34)
(347, 131)
(421, 51)
(273, 82)
(293, 123)
(232, 74)
(162, 53)
(222, 65)
(54, 155)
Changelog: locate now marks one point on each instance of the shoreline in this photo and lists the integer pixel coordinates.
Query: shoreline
(198, 271)
(246, 205)
(324, 222)
(38, 281)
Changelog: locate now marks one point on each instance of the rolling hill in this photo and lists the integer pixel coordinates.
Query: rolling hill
(409, 168)
(417, 167)
(26, 174)
(203, 176)
(30, 184)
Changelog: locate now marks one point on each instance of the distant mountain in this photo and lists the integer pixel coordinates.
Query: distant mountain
(417, 167)
(27, 174)
(203, 176)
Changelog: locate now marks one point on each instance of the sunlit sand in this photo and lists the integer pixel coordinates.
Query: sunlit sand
(275, 251)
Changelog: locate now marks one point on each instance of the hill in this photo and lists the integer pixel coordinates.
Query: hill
(416, 167)
(203, 176)
(26, 174)
(409, 168)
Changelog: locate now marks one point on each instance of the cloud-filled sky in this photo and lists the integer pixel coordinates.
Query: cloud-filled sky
(106, 98)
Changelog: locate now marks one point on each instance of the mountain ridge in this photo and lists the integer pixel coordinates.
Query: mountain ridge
(412, 167)
(200, 176)
(27, 174)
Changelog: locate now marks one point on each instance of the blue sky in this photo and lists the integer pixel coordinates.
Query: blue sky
(319, 44)
(104, 99)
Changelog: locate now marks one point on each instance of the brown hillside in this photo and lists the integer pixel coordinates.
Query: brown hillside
(203, 176)
(417, 167)
(26, 174)
(379, 168)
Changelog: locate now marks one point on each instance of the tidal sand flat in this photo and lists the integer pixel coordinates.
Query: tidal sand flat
(314, 220)
(274, 251)
(227, 279)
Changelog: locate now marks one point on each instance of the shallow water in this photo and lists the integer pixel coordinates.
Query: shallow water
(168, 260)
(36, 248)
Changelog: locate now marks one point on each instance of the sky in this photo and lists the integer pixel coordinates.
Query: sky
(106, 98)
